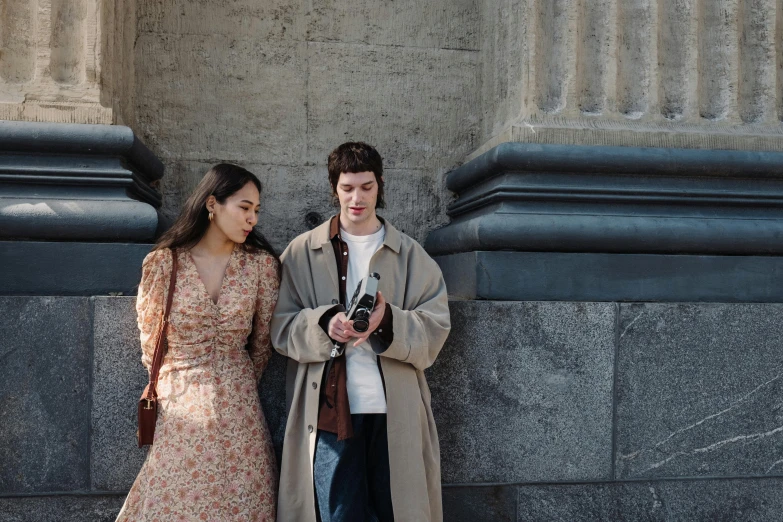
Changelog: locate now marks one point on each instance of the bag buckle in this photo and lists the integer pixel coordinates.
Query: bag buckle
(149, 404)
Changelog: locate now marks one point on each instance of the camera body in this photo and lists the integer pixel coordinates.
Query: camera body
(363, 302)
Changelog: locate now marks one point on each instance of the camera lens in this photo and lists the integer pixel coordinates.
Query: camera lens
(361, 320)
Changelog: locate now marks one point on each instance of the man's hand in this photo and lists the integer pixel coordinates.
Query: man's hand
(341, 329)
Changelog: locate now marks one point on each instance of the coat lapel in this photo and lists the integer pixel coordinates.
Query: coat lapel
(322, 251)
(325, 295)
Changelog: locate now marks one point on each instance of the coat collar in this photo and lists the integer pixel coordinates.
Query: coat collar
(324, 233)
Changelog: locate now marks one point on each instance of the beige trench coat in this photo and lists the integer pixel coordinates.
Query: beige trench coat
(411, 282)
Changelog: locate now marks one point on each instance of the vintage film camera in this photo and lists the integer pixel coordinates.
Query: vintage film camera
(359, 310)
(363, 301)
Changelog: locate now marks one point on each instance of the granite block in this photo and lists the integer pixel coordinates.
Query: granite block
(118, 380)
(699, 390)
(61, 508)
(271, 389)
(472, 504)
(522, 392)
(745, 500)
(44, 394)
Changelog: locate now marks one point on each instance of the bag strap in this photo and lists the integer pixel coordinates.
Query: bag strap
(160, 347)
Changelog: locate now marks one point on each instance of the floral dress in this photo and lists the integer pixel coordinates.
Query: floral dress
(212, 458)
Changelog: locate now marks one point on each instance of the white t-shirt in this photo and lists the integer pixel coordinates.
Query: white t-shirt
(365, 387)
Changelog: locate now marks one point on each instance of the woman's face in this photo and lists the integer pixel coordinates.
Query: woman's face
(237, 216)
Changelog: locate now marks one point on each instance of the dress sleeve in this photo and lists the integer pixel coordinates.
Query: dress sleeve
(153, 290)
(266, 298)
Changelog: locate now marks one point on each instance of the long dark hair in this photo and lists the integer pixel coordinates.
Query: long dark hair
(221, 181)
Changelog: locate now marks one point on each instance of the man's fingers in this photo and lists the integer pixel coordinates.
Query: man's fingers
(361, 340)
(338, 336)
(339, 331)
(350, 332)
(337, 320)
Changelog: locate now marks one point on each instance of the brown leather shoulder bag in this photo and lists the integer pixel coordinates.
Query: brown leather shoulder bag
(148, 404)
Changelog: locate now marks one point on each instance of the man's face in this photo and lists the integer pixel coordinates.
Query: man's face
(357, 192)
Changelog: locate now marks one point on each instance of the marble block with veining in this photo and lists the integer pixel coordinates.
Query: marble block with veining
(700, 389)
(522, 392)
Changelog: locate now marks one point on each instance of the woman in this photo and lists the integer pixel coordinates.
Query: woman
(212, 458)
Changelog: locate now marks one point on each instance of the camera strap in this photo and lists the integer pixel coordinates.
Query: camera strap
(337, 351)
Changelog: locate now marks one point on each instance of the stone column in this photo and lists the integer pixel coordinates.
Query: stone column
(75, 186)
(61, 58)
(661, 73)
(588, 185)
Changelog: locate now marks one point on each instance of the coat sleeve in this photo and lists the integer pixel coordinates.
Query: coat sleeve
(420, 330)
(153, 290)
(260, 345)
(296, 332)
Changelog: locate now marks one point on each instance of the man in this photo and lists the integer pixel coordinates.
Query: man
(360, 443)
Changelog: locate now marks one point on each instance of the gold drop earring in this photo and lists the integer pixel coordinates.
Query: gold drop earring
(211, 215)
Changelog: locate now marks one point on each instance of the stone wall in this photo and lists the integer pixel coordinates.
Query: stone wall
(275, 86)
(545, 410)
(665, 73)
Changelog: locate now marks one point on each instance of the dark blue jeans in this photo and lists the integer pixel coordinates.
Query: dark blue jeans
(352, 476)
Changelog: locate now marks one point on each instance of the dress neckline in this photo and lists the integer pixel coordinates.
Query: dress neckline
(223, 281)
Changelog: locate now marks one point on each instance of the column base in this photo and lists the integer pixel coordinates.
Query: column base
(556, 276)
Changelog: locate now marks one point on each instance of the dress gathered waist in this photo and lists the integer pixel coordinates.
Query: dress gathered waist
(183, 357)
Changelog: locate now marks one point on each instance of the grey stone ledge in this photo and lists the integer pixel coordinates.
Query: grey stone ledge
(749, 500)
(61, 508)
(70, 268)
(558, 276)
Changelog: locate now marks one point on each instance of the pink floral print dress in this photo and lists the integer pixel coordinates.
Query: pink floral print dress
(212, 458)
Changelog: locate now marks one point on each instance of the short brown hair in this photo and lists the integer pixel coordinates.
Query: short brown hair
(353, 157)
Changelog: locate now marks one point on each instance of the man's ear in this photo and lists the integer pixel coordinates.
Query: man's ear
(210, 204)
